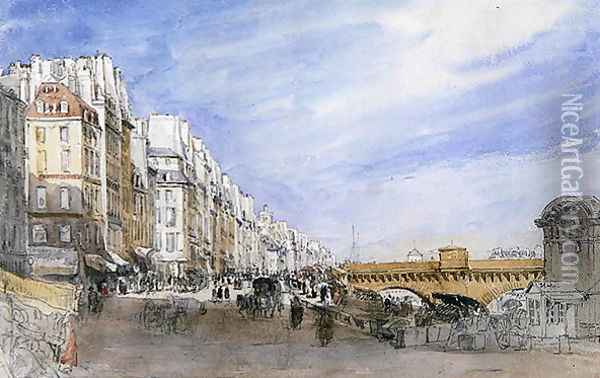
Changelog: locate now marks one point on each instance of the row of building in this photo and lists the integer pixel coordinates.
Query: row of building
(85, 183)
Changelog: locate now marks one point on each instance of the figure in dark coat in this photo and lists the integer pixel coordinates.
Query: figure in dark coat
(297, 313)
(325, 323)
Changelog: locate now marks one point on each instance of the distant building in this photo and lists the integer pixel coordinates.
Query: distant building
(414, 255)
(13, 212)
(516, 253)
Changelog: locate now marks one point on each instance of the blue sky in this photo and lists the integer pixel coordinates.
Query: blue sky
(419, 121)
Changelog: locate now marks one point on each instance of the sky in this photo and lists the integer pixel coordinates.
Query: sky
(421, 122)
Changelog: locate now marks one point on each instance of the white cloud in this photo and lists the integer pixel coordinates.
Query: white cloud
(452, 34)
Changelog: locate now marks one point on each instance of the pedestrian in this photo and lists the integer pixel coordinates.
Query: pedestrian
(296, 313)
(214, 293)
(323, 293)
(227, 293)
(104, 289)
(386, 304)
(122, 286)
(92, 299)
(324, 332)
(220, 293)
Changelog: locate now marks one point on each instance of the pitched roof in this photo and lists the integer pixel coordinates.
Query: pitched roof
(50, 95)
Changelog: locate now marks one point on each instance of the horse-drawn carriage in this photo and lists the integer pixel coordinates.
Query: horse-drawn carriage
(263, 301)
(171, 315)
(472, 326)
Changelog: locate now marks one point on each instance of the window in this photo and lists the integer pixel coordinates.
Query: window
(64, 134)
(64, 107)
(170, 242)
(40, 134)
(98, 234)
(88, 234)
(534, 311)
(39, 106)
(86, 162)
(64, 198)
(65, 159)
(169, 198)
(40, 195)
(97, 164)
(171, 217)
(560, 312)
(64, 232)
(39, 234)
(41, 162)
(157, 240)
(554, 312)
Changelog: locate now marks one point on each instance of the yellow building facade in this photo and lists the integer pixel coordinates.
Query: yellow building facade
(64, 188)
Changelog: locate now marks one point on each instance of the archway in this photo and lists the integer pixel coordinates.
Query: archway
(403, 291)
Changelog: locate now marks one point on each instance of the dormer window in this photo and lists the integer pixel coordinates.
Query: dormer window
(64, 107)
(39, 106)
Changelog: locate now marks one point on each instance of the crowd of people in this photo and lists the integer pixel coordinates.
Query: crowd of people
(224, 285)
(311, 284)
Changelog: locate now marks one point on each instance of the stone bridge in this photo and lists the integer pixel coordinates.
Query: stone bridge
(453, 273)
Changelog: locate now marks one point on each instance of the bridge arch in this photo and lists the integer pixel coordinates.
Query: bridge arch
(482, 287)
(422, 296)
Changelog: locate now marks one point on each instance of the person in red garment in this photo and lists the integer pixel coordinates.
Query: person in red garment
(69, 359)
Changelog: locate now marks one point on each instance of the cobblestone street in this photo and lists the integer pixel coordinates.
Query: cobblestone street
(223, 344)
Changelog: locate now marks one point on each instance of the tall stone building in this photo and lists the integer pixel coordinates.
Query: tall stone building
(98, 83)
(173, 191)
(144, 189)
(127, 194)
(13, 231)
(201, 158)
(63, 138)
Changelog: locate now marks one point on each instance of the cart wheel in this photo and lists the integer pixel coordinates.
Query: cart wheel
(502, 333)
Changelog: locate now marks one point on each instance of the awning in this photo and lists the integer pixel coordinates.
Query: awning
(117, 259)
(565, 292)
(169, 256)
(98, 263)
(143, 252)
